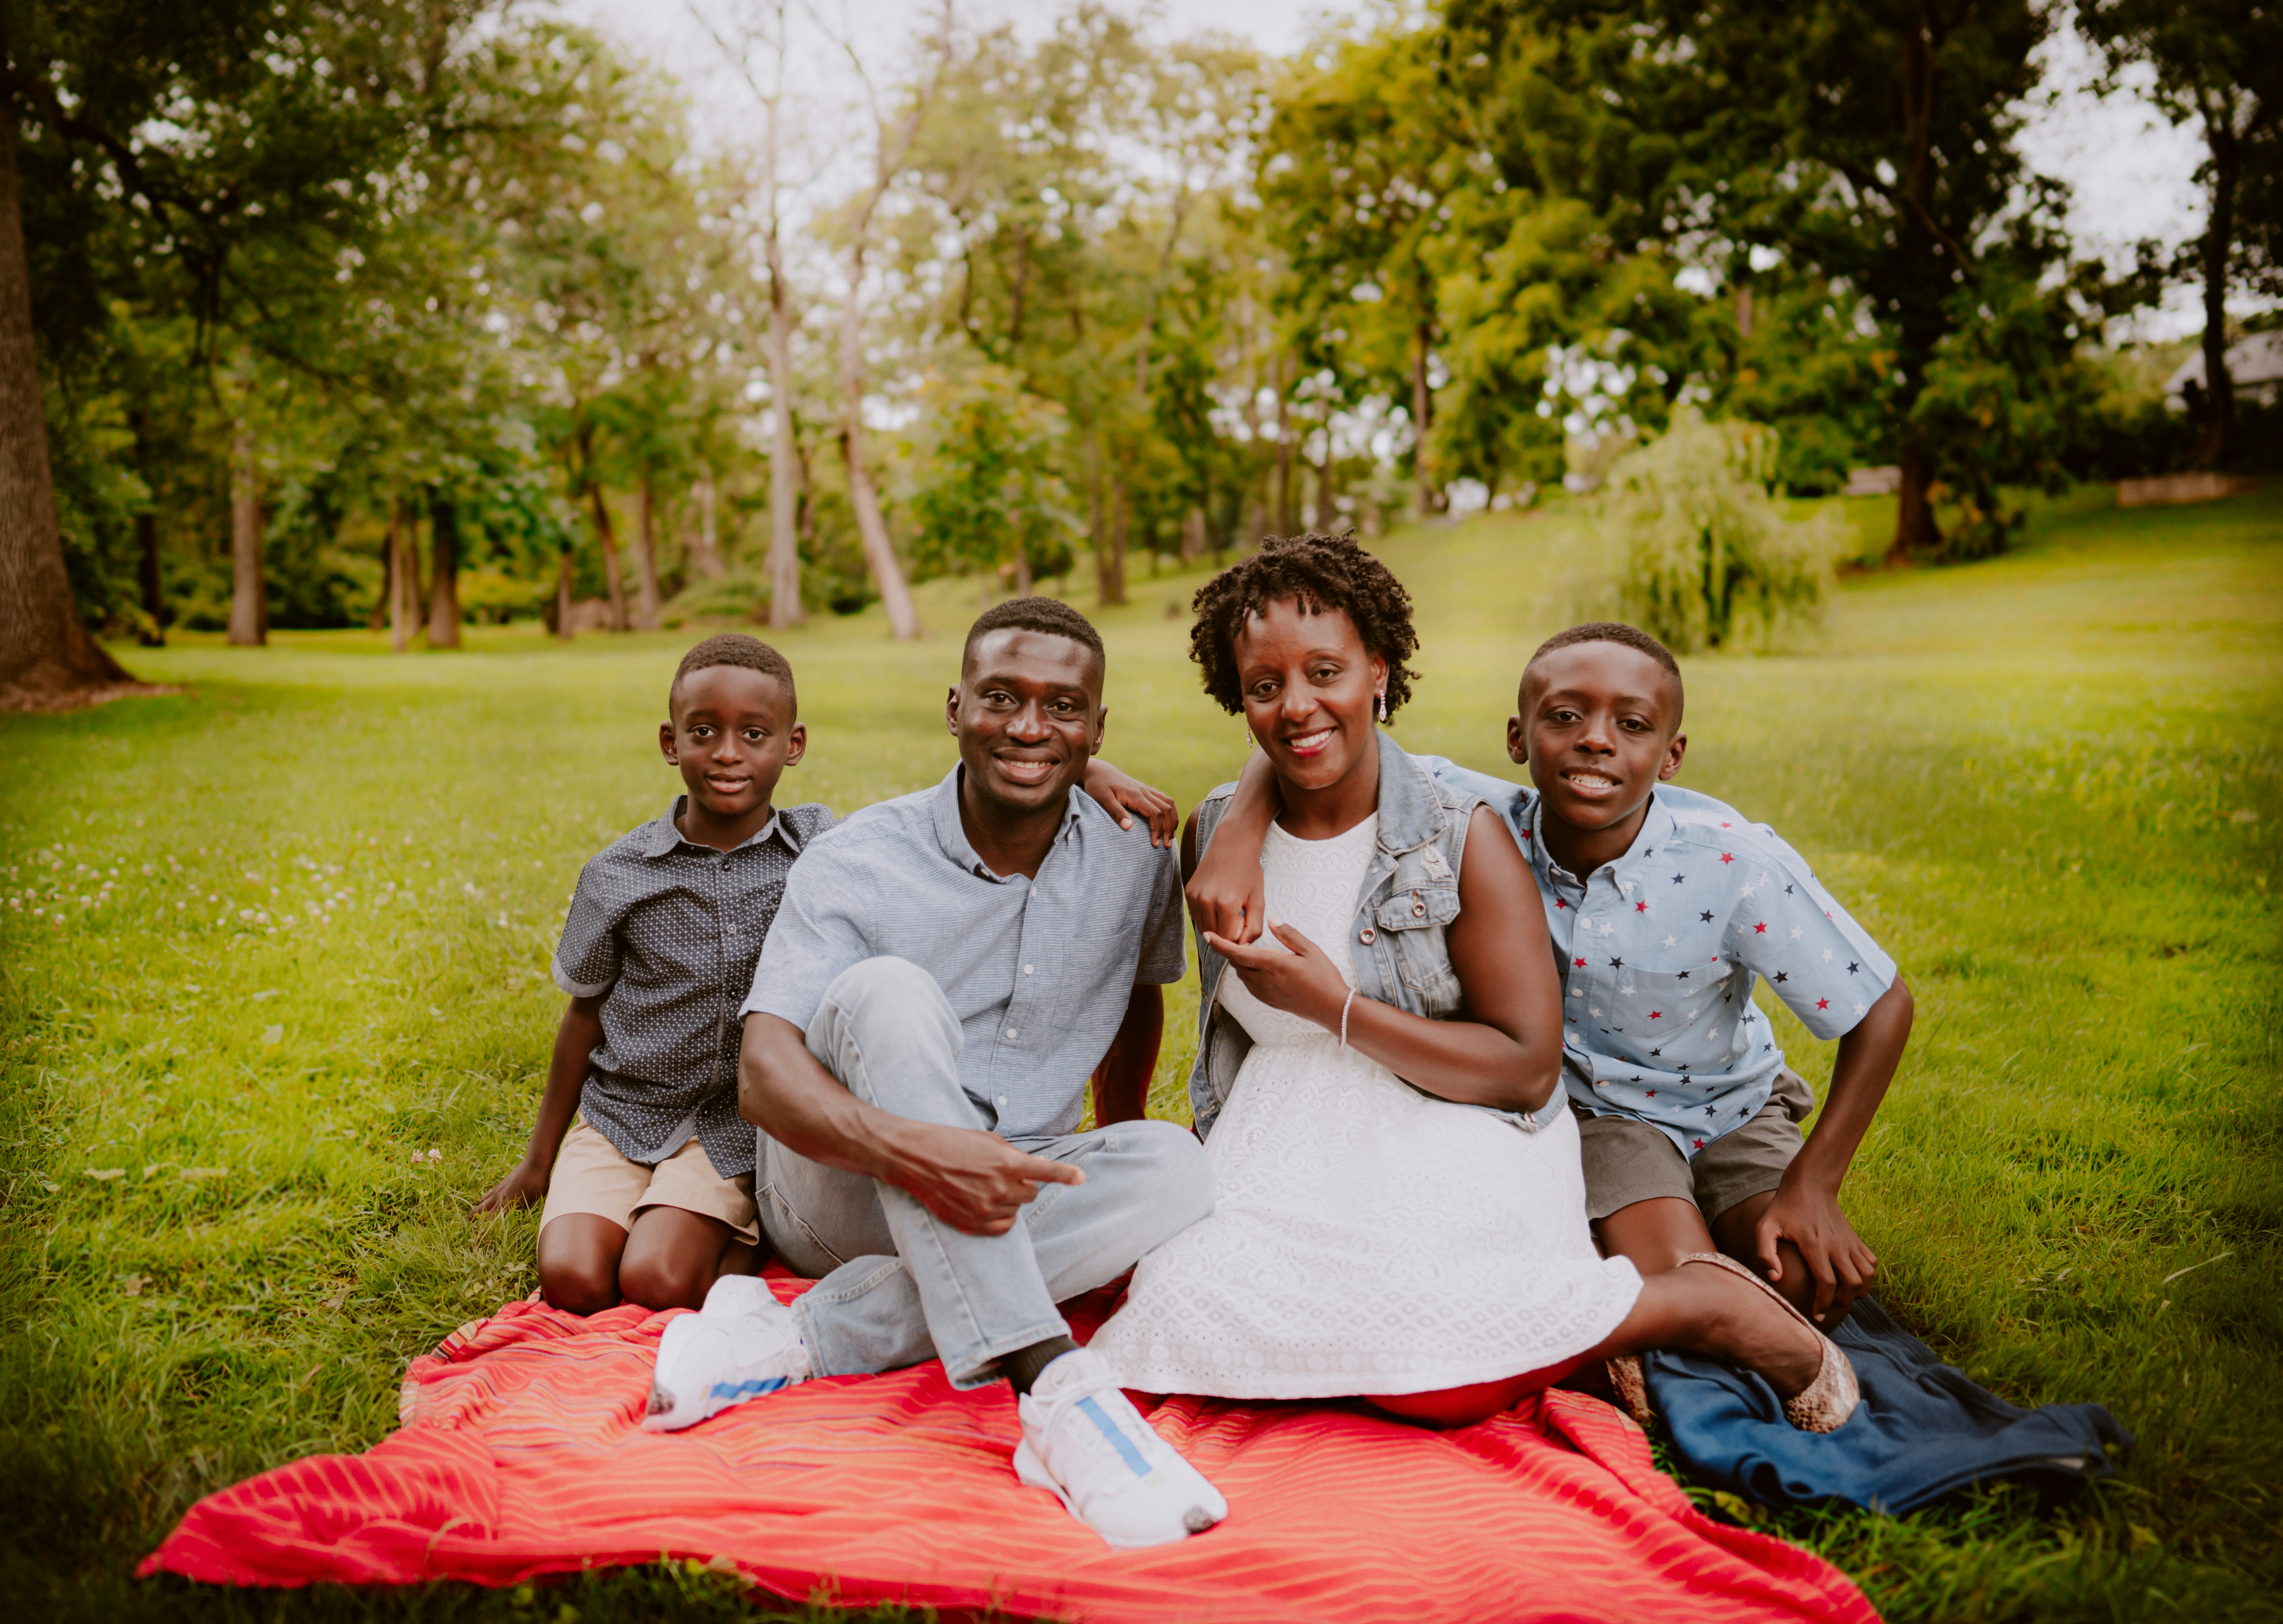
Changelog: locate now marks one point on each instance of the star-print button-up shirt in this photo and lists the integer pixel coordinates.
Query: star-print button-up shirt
(1038, 971)
(1658, 952)
(666, 934)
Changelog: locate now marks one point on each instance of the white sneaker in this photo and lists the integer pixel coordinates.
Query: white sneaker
(742, 1344)
(1083, 1441)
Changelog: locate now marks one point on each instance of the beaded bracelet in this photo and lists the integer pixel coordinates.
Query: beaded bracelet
(1344, 1017)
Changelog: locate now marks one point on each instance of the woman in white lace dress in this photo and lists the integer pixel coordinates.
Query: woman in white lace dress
(1399, 1207)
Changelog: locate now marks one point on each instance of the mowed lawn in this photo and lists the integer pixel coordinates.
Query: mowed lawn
(275, 1005)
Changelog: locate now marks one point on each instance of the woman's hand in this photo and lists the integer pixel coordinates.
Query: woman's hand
(1228, 894)
(1123, 795)
(1304, 982)
(1225, 892)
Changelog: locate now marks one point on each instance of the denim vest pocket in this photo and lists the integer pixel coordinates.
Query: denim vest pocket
(1411, 926)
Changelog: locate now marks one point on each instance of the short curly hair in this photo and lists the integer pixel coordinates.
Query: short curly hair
(1319, 573)
(734, 649)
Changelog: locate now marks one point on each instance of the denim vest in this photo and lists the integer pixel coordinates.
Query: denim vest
(1398, 947)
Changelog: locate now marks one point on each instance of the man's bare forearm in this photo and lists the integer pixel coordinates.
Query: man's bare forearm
(785, 1092)
(1869, 1055)
(1121, 1082)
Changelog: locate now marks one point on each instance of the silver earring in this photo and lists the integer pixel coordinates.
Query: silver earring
(1383, 705)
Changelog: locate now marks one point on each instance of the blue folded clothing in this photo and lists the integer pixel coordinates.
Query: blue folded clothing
(1921, 1430)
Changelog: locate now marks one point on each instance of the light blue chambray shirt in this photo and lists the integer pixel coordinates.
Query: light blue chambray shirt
(1038, 971)
(1659, 950)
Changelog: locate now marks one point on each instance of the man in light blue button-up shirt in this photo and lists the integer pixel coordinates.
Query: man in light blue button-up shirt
(944, 974)
(1666, 907)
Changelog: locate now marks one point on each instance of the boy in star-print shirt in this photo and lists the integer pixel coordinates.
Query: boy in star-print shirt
(1664, 907)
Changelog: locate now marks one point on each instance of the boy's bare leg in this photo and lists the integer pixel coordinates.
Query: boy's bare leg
(1656, 1233)
(578, 1257)
(674, 1256)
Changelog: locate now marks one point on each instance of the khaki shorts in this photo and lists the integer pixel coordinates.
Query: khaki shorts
(1628, 1161)
(592, 1176)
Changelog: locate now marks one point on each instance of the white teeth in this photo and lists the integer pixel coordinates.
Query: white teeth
(1307, 740)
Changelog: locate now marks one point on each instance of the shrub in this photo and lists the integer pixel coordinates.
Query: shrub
(1709, 561)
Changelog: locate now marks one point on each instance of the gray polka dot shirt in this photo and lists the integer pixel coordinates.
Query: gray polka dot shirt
(668, 933)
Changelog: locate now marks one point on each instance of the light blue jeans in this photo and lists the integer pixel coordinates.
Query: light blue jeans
(898, 1285)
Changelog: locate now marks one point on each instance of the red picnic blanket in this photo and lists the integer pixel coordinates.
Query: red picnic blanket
(521, 1455)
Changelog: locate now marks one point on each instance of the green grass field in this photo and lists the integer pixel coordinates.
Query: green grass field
(274, 1006)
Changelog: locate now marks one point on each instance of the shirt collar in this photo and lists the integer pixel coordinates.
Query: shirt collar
(951, 834)
(663, 838)
(1655, 830)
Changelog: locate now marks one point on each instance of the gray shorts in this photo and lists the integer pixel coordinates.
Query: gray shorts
(1628, 1161)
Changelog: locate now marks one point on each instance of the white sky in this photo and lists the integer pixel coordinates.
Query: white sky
(2130, 171)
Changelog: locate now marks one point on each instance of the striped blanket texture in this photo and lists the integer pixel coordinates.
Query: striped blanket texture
(520, 1457)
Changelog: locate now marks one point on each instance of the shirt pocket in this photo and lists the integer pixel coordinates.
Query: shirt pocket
(1674, 1010)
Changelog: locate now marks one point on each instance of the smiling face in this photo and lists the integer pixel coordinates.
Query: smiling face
(1028, 715)
(1600, 728)
(733, 735)
(1309, 688)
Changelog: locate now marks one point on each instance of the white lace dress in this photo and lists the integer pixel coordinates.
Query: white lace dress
(1366, 1238)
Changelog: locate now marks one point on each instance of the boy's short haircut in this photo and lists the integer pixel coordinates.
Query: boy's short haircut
(1629, 636)
(735, 649)
(1050, 616)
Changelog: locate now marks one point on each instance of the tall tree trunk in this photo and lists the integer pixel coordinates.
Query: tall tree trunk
(384, 601)
(1743, 310)
(871, 524)
(1109, 547)
(1430, 496)
(1286, 517)
(47, 659)
(444, 572)
(1328, 511)
(1915, 530)
(563, 628)
(1023, 583)
(607, 540)
(404, 586)
(788, 476)
(647, 602)
(154, 594)
(705, 550)
(248, 590)
(151, 589)
(2213, 444)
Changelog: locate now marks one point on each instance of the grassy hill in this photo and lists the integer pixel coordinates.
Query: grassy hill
(299, 1020)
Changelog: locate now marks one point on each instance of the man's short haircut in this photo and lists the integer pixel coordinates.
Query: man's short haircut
(735, 649)
(1629, 636)
(1319, 573)
(1049, 617)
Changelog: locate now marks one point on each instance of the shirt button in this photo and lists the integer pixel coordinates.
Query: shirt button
(1418, 910)
(1366, 935)
(1026, 970)
(1011, 1032)
(1002, 1102)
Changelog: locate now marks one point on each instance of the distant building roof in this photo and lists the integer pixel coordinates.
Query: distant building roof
(2255, 365)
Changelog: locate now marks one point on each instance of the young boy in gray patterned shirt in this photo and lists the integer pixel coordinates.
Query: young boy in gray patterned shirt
(649, 1195)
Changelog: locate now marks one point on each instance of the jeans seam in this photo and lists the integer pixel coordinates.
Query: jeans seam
(846, 1043)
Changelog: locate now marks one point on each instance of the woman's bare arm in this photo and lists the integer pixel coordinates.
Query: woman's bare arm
(1506, 1051)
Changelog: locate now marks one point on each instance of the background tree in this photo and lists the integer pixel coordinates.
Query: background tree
(2220, 63)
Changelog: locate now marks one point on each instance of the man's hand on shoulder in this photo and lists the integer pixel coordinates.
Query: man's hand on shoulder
(524, 1183)
(972, 1180)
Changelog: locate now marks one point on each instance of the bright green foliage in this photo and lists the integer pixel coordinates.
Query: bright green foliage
(1710, 561)
(2049, 783)
(983, 490)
